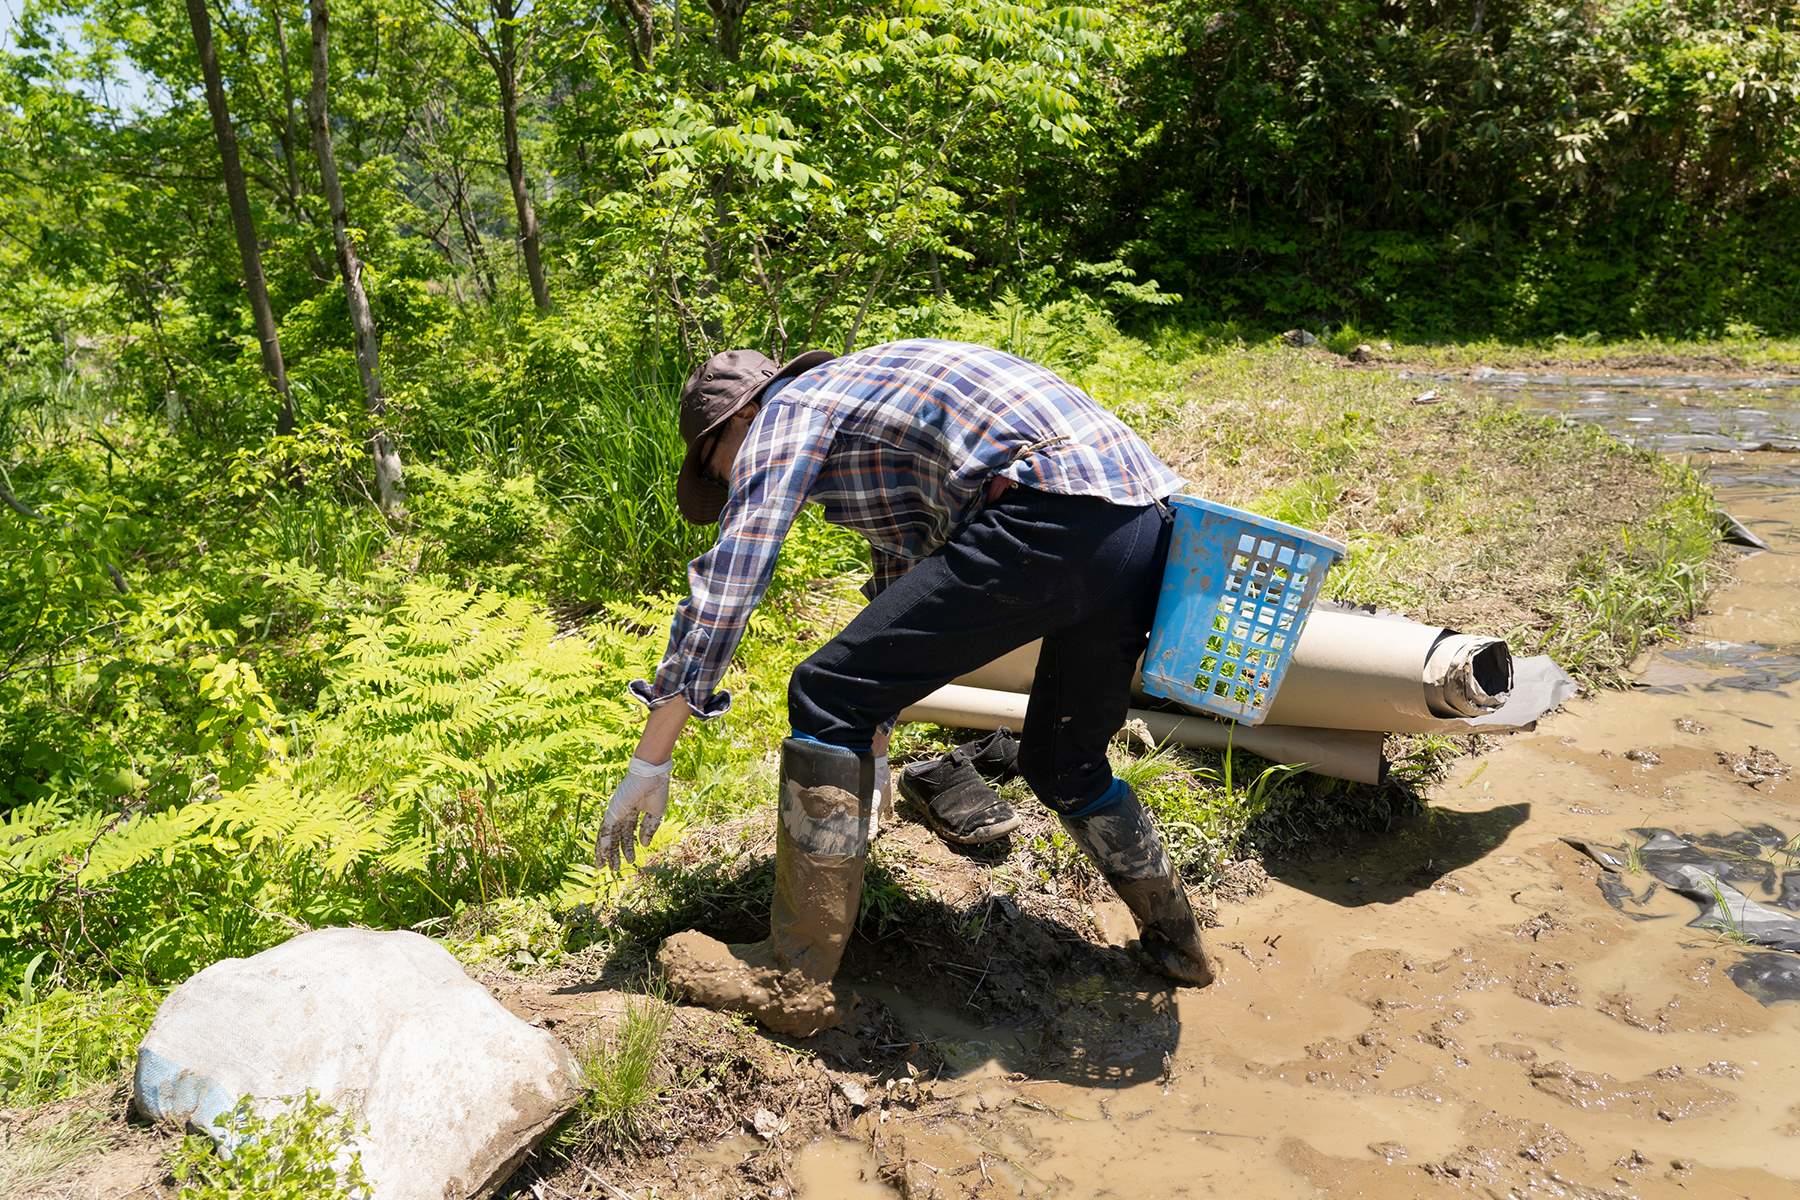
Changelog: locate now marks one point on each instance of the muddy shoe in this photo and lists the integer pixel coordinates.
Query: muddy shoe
(748, 979)
(996, 756)
(821, 846)
(957, 803)
(1122, 842)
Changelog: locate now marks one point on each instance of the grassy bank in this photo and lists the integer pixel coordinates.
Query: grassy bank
(393, 729)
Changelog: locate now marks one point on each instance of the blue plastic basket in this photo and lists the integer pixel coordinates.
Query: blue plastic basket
(1235, 596)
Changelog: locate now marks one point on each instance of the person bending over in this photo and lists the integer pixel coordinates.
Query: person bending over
(1002, 504)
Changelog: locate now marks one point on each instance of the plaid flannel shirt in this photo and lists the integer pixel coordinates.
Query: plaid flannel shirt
(896, 442)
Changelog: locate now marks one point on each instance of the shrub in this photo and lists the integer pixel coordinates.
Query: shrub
(300, 1152)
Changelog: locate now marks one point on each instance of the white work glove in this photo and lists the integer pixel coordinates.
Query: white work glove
(644, 792)
(883, 782)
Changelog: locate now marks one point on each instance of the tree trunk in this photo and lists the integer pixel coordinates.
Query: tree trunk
(465, 217)
(505, 62)
(639, 19)
(389, 489)
(241, 221)
(728, 26)
(288, 136)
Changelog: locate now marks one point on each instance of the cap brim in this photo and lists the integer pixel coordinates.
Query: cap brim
(701, 499)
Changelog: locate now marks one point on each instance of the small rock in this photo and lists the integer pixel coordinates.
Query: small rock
(1634, 1161)
(853, 1092)
(1648, 758)
(1689, 725)
(1538, 926)
(1428, 396)
(767, 1125)
(1299, 338)
(1680, 1164)
(1387, 347)
(918, 1181)
(1362, 354)
(1388, 1151)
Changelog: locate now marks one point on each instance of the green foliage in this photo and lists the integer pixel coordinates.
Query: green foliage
(1533, 168)
(477, 523)
(777, 185)
(1202, 805)
(56, 1045)
(301, 1151)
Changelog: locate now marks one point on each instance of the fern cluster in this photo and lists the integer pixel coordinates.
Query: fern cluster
(461, 752)
(455, 758)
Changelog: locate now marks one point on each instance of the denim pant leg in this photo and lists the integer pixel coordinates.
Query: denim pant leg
(1082, 689)
(1018, 570)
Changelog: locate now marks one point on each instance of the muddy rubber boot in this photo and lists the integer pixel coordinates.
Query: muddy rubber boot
(1122, 842)
(821, 846)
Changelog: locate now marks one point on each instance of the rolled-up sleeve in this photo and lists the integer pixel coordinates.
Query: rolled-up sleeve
(775, 470)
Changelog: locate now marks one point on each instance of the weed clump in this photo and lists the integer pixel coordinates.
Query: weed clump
(301, 1152)
(620, 1070)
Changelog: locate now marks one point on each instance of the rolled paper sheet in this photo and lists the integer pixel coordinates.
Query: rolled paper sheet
(1467, 675)
(1343, 754)
(1356, 671)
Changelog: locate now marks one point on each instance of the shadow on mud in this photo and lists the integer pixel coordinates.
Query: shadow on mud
(951, 972)
(1388, 867)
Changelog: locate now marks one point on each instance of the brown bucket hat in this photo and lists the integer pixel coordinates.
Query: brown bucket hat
(719, 387)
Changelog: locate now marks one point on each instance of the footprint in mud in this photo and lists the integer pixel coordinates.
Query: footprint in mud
(1668, 1095)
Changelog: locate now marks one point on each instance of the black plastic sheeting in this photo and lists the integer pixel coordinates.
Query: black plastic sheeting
(1718, 871)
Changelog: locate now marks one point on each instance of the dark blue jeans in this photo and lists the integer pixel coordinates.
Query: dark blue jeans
(1078, 572)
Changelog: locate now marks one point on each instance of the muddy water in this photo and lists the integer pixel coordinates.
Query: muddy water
(1459, 1011)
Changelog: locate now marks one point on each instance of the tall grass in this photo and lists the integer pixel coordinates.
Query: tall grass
(55, 1045)
(34, 1155)
(612, 478)
(1641, 588)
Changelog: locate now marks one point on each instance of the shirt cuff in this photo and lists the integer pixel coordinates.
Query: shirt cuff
(715, 705)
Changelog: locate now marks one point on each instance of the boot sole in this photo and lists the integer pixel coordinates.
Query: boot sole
(979, 837)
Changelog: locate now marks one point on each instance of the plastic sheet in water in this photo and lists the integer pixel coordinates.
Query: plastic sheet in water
(1717, 871)
(1718, 666)
(1770, 978)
